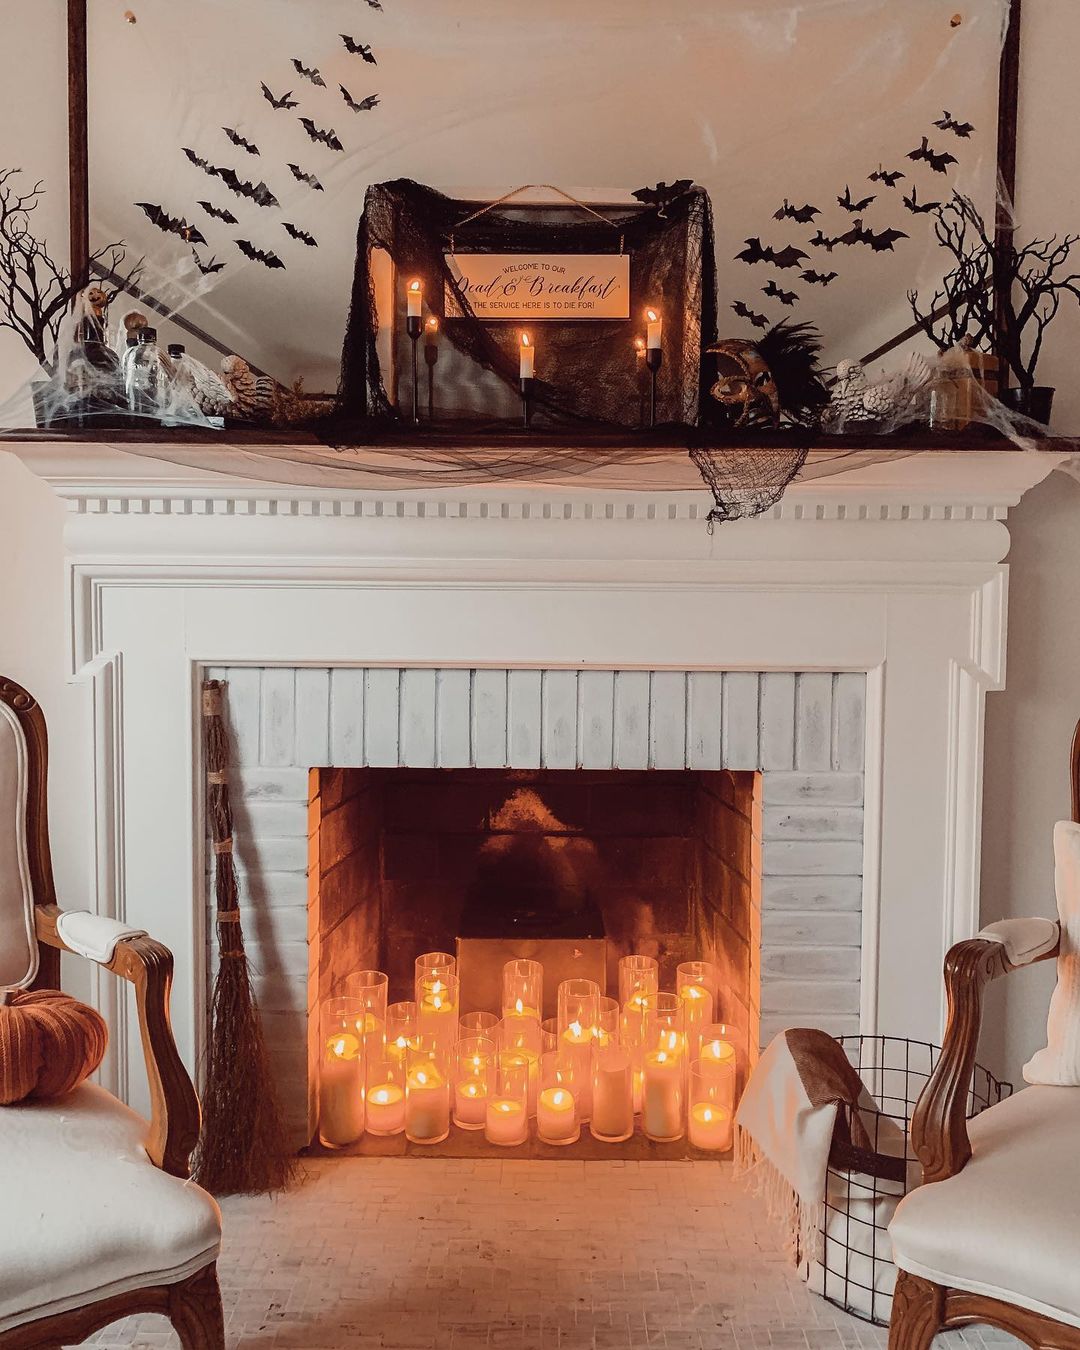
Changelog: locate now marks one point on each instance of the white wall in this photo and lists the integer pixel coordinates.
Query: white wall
(1029, 725)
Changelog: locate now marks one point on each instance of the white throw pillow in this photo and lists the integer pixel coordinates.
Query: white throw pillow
(1059, 1064)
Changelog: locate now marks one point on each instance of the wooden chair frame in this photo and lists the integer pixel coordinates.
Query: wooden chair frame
(193, 1305)
(939, 1137)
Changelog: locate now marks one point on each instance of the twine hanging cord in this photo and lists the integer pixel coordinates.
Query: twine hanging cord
(527, 187)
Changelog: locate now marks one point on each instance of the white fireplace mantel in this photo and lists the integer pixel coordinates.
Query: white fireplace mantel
(894, 568)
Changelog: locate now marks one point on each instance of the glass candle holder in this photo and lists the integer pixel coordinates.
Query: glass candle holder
(523, 989)
(474, 1062)
(385, 1095)
(429, 968)
(612, 1118)
(697, 983)
(665, 1024)
(341, 1073)
(639, 976)
(437, 1012)
(718, 1044)
(710, 1124)
(479, 1024)
(400, 1029)
(663, 1089)
(608, 1021)
(556, 1107)
(579, 1018)
(427, 1092)
(632, 1038)
(369, 989)
(506, 1120)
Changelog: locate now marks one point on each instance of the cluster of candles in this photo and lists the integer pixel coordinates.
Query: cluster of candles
(415, 1066)
(647, 348)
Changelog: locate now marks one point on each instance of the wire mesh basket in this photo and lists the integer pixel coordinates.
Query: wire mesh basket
(855, 1269)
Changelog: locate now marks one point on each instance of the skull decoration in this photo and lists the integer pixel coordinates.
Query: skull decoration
(744, 387)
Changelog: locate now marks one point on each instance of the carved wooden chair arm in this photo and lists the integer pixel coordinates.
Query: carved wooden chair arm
(939, 1129)
(146, 964)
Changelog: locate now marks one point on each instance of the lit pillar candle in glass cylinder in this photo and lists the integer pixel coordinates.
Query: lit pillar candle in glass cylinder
(341, 1074)
(612, 1118)
(427, 1093)
(523, 999)
(506, 1120)
(437, 1012)
(696, 982)
(474, 1063)
(639, 977)
(368, 988)
(386, 1108)
(556, 1116)
(718, 1043)
(400, 1029)
(579, 1019)
(607, 1024)
(664, 1068)
(710, 1121)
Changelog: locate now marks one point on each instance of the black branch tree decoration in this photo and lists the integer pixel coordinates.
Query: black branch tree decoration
(36, 290)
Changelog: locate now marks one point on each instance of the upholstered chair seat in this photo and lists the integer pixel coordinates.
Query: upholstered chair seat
(1025, 1164)
(86, 1214)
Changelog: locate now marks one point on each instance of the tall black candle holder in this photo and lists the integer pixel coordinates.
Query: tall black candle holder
(414, 326)
(654, 358)
(431, 355)
(526, 400)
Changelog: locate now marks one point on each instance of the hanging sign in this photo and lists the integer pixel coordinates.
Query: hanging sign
(533, 286)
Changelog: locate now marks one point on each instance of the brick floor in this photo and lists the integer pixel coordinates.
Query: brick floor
(463, 1254)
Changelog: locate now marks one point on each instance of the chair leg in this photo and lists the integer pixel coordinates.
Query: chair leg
(195, 1311)
(918, 1309)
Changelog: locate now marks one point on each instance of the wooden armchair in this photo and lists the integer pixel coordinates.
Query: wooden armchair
(993, 1234)
(99, 1219)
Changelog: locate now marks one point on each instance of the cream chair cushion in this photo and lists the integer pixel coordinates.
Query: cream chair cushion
(1008, 1224)
(18, 947)
(1059, 1062)
(84, 1213)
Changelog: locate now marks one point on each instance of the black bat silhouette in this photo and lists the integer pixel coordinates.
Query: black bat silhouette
(819, 278)
(318, 135)
(171, 224)
(218, 212)
(297, 233)
(803, 214)
(208, 267)
(257, 192)
(887, 176)
(311, 73)
(241, 141)
(917, 207)
(200, 163)
(358, 49)
(745, 312)
(663, 194)
(285, 101)
(755, 252)
(947, 122)
(879, 241)
(308, 178)
(365, 104)
(824, 241)
(374, 4)
(785, 297)
(849, 205)
(248, 249)
(939, 163)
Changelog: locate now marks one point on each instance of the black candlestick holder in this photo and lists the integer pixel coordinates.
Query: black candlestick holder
(654, 358)
(414, 326)
(526, 401)
(431, 355)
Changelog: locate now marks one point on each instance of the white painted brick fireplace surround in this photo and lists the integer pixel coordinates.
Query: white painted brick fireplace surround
(883, 587)
(804, 731)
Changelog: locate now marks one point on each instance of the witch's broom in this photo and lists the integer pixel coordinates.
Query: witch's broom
(242, 1147)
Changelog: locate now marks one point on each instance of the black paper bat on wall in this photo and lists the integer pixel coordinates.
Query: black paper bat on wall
(821, 240)
(358, 49)
(375, 4)
(259, 193)
(879, 241)
(785, 297)
(917, 207)
(207, 268)
(803, 214)
(285, 101)
(846, 202)
(755, 252)
(218, 212)
(818, 278)
(946, 122)
(365, 104)
(663, 194)
(320, 136)
(887, 176)
(241, 141)
(201, 163)
(308, 73)
(297, 233)
(745, 312)
(268, 259)
(939, 163)
(308, 178)
(171, 224)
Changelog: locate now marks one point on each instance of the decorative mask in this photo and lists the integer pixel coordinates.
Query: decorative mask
(744, 386)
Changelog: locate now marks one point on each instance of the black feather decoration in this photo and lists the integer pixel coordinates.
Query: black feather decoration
(791, 352)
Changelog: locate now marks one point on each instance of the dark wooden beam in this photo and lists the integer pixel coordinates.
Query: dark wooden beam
(78, 173)
(1008, 116)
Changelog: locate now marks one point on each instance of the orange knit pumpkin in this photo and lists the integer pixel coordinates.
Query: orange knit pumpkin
(49, 1042)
